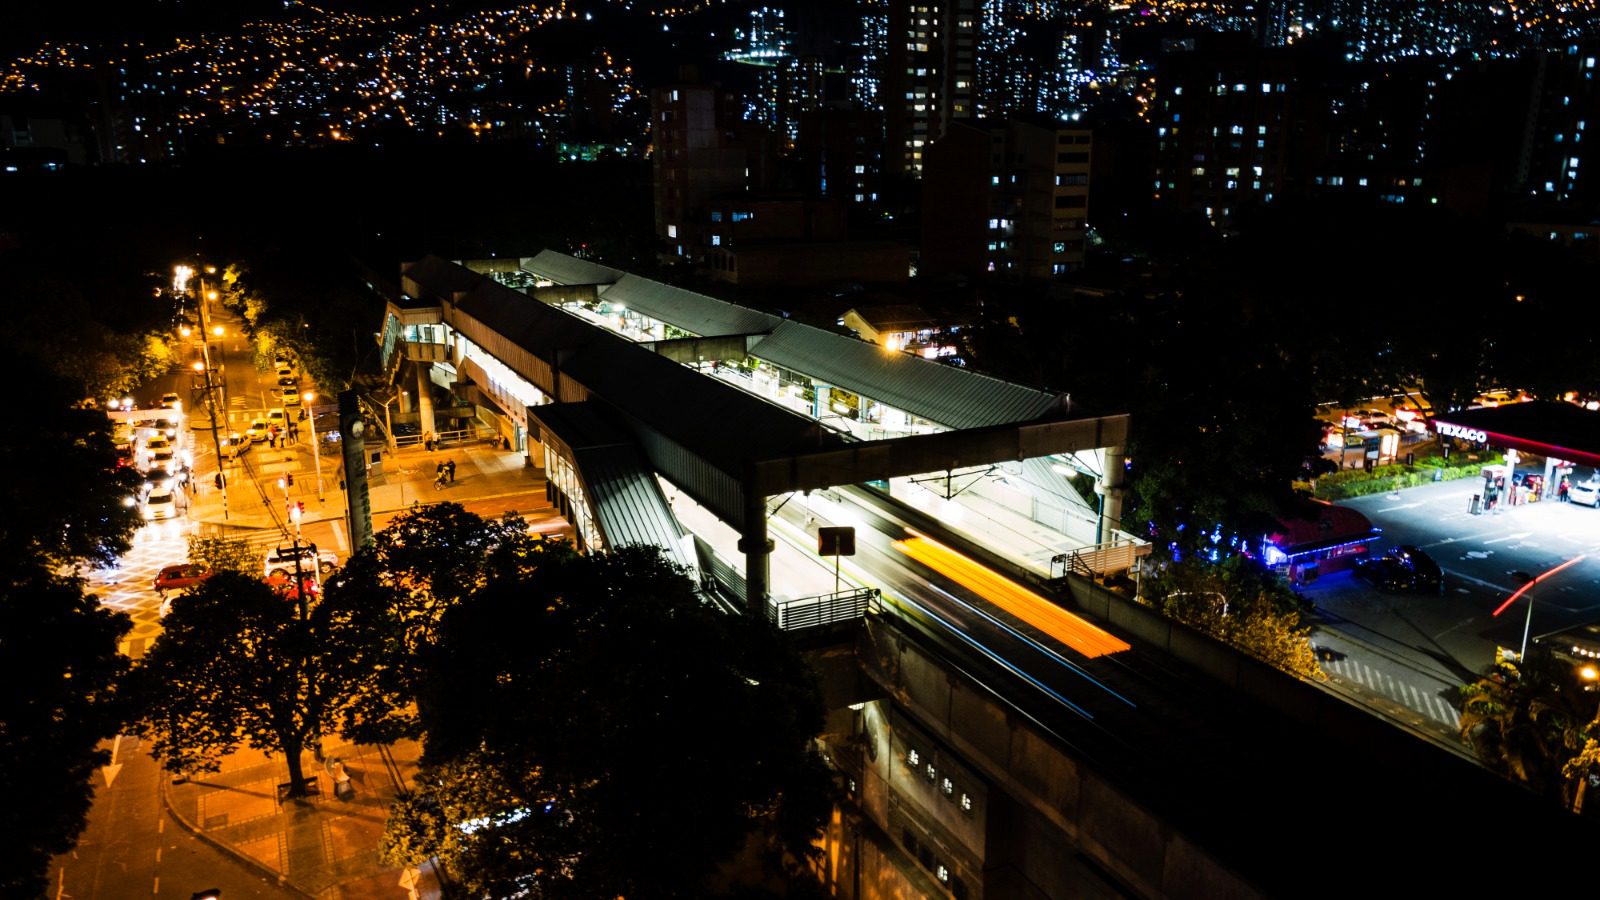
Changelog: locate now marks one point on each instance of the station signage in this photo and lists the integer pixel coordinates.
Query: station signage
(1459, 431)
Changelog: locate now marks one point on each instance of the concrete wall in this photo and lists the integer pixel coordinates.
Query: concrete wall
(1042, 824)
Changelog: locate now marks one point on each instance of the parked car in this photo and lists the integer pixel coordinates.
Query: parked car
(1375, 418)
(291, 396)
(284, 370)
(284, 584)
(183, 575)
(406, 428)
(280, 560)
(276, 416)
(288, 381)
(1404, 568)
(1585, 492)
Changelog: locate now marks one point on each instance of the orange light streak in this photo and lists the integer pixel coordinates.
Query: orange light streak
(1079, 634)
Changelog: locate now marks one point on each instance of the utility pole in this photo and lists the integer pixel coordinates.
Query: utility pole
(211, 397)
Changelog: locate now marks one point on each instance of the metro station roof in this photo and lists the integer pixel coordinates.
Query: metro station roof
(952, 397)
(695, 313)
(623, 491)
(1560, 430)
(563, 269)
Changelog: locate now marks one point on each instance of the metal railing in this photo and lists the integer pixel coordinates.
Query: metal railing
(825, 609)
(1117, 555)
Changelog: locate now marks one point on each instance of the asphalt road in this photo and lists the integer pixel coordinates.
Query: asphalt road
(1480, 555)
(133, 848)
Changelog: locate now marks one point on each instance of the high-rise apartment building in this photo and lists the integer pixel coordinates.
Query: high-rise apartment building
(930, 77)
(703, 150)
(1007, 199)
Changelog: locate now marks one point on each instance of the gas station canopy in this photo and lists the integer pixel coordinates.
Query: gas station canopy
(1556, 430)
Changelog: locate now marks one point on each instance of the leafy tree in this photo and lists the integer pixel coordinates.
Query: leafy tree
(594, 729)
(1529, 721)
(224, 554)
(394, 593)
(239, 663)
(1238, 602)
(60, 665)
(58, 646)
(72, 503)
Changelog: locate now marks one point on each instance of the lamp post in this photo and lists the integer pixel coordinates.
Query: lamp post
(216, 434)
(316, 451)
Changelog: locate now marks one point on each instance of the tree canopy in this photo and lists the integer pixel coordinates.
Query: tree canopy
(238, 662)
(394, 593)
(58, 646)
(594, 729)
(61, 668)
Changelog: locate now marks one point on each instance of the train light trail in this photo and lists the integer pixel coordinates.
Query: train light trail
(1073, 631)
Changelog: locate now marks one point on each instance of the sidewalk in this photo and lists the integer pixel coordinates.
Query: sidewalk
(322, 846)
(483, 471)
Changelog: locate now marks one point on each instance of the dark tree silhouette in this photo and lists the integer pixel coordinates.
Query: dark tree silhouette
(595, 729)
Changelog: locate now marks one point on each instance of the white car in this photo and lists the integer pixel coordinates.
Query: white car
(235, 445)
(1585, 492)
(170, 400)
(161, 503)
(280, 561)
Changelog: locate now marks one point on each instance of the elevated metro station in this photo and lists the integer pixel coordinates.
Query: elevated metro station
(727, 435)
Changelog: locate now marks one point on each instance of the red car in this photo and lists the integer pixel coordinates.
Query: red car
(184, 575)
(284, 584)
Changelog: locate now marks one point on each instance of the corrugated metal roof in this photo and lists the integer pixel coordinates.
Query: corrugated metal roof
(536, 327)
(954, 398)
(623, 492)
(563, 269)
(716, 421)
(695, 313)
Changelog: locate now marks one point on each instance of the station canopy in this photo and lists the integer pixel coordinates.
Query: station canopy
(1559, 430)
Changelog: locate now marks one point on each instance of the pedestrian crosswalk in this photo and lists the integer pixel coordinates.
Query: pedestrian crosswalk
(1426, 700)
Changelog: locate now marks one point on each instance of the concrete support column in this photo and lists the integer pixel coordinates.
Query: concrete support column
(1110, 489)
(757, 550)
(425, 396)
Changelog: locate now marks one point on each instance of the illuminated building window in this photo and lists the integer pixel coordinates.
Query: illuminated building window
(913, 758)
(930, 772)
(966, 802)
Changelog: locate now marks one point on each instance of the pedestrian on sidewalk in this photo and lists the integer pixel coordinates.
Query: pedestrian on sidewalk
(450, 468)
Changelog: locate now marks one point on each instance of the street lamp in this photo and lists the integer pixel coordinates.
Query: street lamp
(316, 451)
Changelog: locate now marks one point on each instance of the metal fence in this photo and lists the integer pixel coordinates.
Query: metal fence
(825, 609)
